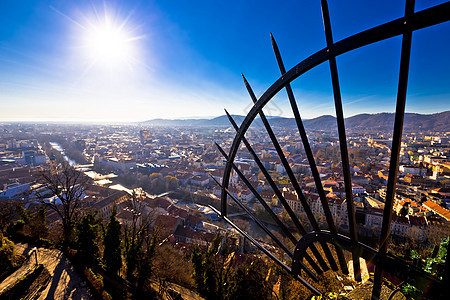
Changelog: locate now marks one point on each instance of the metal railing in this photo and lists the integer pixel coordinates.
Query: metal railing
(404, 26)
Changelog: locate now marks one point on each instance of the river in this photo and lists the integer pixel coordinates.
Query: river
(58, 148)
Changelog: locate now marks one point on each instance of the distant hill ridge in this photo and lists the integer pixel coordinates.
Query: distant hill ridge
(381, 121)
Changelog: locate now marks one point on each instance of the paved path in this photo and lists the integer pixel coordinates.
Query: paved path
(28, 266)
(187, 294)
(65, 282)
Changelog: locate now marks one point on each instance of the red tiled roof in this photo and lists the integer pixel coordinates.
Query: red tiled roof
(444, 213)
(186, 232)
(176, 211)
(193, 220)
(158, 202)
(167, 223)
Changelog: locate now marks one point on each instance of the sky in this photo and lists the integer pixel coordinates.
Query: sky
(130, 61)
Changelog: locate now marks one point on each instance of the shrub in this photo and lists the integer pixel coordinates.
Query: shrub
(6, 254)
(96, 282)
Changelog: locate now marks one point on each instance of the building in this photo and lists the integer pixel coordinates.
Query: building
(53, 168)
(357, 189)
(413, 179)
(120, 164)
(146, 136)
(200, 180)
(437, 209)
(413, 170)
(247, 195)
(185, 234)
(14, 190)
(106, 205)
(29, 157)
(399, 225)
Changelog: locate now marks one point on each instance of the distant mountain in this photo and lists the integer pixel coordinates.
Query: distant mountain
(381, 122)
(321, 123)
(412, 121)
(438, 121)
(223, 120)
(218, 121)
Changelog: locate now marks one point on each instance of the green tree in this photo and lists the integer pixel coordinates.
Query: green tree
(213, 272)
(6, 253)
(38, 225)
(433, 265)
(250, 282)
(157, 184)
(171, 182)
(7, 213)
(29, 226)
(145, 260)
(138, 242)
(112, 255)
(88, 231)
(139, 254)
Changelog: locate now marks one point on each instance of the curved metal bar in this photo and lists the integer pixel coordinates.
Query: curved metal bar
(422, 280)
(275, 217)
(392, 294)
(296, 186)
(273, 257)
(254, 218)
(415, 21)
(422, 19)
(310, 156)
(266, 230)
(269, 179)
(236, 169)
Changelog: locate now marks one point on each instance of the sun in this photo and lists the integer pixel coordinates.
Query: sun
(109, 43)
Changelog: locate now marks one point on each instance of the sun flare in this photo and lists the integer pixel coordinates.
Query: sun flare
(108, 43)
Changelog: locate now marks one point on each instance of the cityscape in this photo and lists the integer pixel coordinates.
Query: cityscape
(121, 177)
(174, 170)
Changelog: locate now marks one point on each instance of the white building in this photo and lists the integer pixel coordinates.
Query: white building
(14, 190)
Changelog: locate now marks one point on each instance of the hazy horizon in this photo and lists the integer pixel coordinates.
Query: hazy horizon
(131, 61)
(99, 122)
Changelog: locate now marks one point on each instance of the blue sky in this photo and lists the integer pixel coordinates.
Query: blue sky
(184, 59)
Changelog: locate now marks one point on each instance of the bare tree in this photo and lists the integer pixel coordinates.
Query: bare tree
(67, 185)
(139, 243)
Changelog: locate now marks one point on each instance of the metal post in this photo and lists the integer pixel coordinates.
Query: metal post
(35, 255)
(342, 140)
(396, 146)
